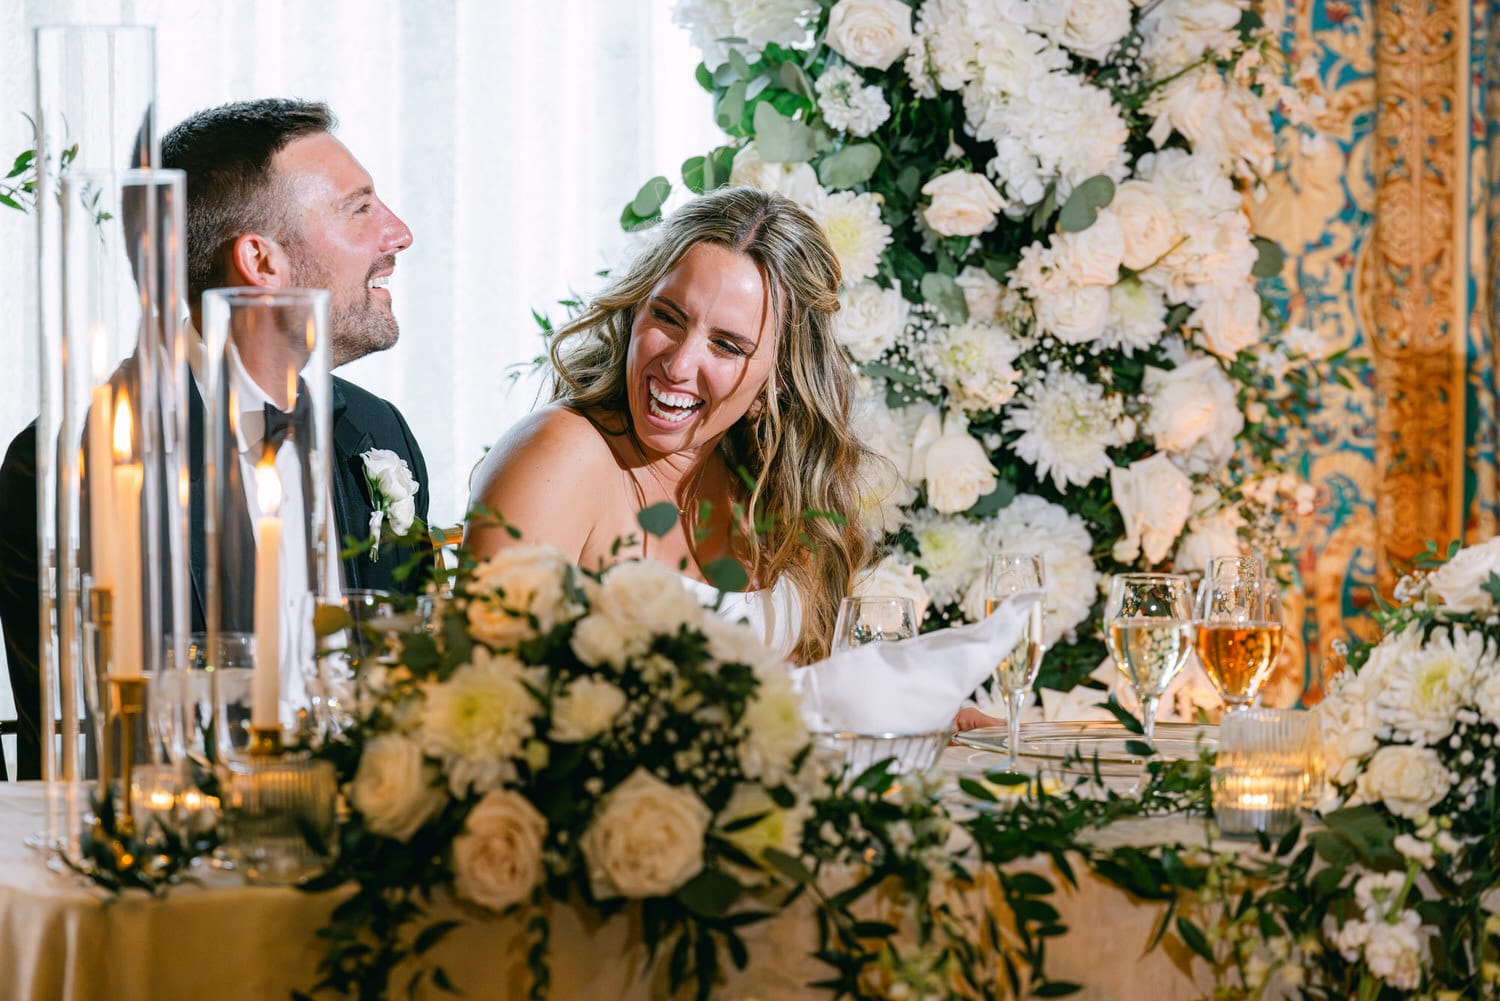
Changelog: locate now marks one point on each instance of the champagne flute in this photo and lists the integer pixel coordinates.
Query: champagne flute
(1237, 633)
(1149, 632)
(1008, 574)
(873, 619)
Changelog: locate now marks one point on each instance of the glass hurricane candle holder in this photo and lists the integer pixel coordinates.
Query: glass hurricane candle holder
(1252, 801)
(278, 817)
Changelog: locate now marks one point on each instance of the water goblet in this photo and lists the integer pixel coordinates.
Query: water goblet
(1010, 573)
(873, 619)
(1237, 634)
(1149, 632)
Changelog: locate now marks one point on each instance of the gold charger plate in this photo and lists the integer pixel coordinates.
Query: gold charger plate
(1074, 747)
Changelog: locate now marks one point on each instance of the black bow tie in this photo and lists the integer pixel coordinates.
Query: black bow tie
(297, 422)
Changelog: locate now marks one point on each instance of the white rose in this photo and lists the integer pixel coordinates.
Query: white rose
(1146, 224)
(1227, 322)
(895, 577)
(394, 788)
(872, 33)
(795, 180)
(646, 840)
(515, 583)
(1409, 780)
(957, 469)
(647, 595)
(1213, 531)
(1154, 498)
(1074, 315)
(393, 490)
(1394, 952)
(870, 320)
(1460, 581)
(1091, 256)
(497, 860)
(587, 707)
(1194, 413)
(601, 639)
(963, 203)
(982, 294)
(1091, 28)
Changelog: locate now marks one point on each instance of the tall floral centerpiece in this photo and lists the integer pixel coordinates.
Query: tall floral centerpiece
(1049, 272)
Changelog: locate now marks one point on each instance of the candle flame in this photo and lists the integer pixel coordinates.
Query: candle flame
(122, 430)
(267, 484)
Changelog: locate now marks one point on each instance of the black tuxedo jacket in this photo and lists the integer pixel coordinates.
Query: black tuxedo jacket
(361, 421)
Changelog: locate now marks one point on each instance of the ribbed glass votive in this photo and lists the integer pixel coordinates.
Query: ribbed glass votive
(1250, 801)
(279, 817)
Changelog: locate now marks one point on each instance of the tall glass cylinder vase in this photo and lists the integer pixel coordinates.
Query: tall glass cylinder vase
(94, 109)
(272, 541)
(122, 462)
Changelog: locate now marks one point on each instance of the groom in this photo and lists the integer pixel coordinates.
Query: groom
(273, 200)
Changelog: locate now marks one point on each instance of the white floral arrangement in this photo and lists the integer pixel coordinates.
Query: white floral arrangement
(1049, 272)
(393, 494)
(1410, 742)
(595, 738)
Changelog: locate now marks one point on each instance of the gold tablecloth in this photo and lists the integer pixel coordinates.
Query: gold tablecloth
(61, 940)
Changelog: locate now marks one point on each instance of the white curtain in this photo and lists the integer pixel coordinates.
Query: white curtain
(507, 134)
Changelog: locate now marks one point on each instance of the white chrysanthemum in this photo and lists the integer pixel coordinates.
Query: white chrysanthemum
(870, 319)
(1487, 697)
(848, 105)
(1394, 952)
(795, 180)
(1061, 130)
(1347, 728)
(951, 549)
(858, 236)
(1423, 691)
(976, 364)
(477, 721)
(773, 729)
(1034, 524)
(1137, 317)
(1067, 425)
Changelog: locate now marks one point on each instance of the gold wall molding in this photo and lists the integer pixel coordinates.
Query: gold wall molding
(1414, 277)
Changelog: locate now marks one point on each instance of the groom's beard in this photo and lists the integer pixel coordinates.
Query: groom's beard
(359, 323)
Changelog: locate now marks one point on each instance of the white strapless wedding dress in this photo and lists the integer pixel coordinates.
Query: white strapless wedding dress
(774, 613)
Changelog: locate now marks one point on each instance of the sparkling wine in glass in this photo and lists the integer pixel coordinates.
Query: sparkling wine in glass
(1008, 574)
(1149, 630)
(1237, 625)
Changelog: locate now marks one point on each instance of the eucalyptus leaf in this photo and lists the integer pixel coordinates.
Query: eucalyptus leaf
(709, 894)
(794, 80)
(1083, 205)
(1001, 496)
(781, 139)
(788, 865)
(854, 164)
(648, 201)
(1268, 257)
(658, 519)
(726, 574)
(730, 111)
(880, 370)
(738, 64)
(943, 292)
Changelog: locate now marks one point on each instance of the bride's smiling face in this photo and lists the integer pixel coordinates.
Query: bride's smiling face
(702, 347)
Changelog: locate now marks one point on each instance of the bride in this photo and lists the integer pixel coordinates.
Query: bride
(707, 376)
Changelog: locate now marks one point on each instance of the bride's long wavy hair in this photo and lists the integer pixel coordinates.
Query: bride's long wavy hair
(798, 452)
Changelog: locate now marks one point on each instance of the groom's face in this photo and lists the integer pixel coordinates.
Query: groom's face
(346, 241)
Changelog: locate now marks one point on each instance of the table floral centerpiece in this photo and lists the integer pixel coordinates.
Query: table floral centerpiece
(1050, 276)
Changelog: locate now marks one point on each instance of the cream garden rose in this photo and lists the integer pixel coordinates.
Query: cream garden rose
(585, 709)
(957, 469)
(646, 840)
(497, 860)
(532, 579)
(1155, 499)
(870, 33)
(870, 320)
(1460, 582)
(395, 788)
(1409, 780)
(1147, 226)
(962, 203)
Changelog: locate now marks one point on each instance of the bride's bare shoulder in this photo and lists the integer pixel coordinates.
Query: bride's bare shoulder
(546, 475)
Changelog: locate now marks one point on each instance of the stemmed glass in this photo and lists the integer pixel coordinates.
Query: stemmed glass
(1009, 574)
(1149, 631)
(1237, 625)
(872, 619)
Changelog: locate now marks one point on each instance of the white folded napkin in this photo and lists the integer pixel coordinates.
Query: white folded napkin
(910, 686)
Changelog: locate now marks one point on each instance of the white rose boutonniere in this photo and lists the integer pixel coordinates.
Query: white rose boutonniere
(393, 491)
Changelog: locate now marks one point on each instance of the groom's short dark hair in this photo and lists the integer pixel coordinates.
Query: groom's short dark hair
(231, 189)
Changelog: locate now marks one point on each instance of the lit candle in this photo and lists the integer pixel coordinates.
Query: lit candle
(265, 708)
(98, 461)
(126, 500)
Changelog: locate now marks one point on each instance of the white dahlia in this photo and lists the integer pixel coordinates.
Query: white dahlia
(1067, 426)
(852, 222)
(848, 105)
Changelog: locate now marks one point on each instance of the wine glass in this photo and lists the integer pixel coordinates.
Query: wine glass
(873, 619)
(1008, 574)
(1149, 631)
(1237, 633)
